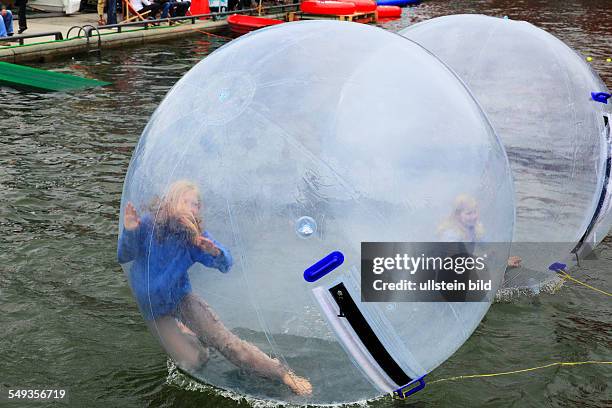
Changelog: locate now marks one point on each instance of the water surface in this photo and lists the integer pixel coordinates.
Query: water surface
(66, 314)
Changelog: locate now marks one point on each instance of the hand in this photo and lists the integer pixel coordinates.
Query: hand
(208, 246)
(514, 261)
(131, 221)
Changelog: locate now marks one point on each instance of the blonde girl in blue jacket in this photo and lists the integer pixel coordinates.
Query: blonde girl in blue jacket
(162, 246)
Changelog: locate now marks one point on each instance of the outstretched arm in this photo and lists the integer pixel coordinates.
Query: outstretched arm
(129, 241)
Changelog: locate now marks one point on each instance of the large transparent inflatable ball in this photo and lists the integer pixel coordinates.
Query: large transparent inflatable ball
(277, 150)
(537, 93)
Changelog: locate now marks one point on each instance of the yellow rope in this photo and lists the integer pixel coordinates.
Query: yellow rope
(524, 370)
(213, 35)
(567, 276)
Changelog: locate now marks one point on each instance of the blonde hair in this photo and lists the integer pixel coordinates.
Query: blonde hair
(453, 223)
(173, 216)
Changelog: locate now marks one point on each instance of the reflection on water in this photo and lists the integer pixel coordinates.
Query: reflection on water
(67, 315)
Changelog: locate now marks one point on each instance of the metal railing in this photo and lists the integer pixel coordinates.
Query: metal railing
(86, 29)
(212, 16)
(90, 30)
(57, 34)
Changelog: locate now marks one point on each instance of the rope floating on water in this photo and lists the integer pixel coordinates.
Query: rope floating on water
(559, 268)
(590, 59)
(524, 370)
(567, 276)
(213, 35)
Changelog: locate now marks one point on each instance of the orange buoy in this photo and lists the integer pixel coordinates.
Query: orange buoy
(199, 7)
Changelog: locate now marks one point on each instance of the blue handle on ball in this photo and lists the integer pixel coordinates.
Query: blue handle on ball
(324, 266)
(405, 391)
(557, 266)
(600, 97)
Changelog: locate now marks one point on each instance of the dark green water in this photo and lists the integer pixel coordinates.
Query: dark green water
(67, 318)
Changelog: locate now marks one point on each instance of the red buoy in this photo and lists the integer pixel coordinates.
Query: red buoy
(243, 24)
(364, 6)
(332, 7)
(389, 11)
(199, 7)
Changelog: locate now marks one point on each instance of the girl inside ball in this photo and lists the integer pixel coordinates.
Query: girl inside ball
(162, 245)
(463, 225)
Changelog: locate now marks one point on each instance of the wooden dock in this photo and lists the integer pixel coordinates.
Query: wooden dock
(75, 40)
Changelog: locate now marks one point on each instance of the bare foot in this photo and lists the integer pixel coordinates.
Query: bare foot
(299, 385)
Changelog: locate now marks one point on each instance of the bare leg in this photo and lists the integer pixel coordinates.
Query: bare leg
(101, 20)
(202, 320)
(184, 349)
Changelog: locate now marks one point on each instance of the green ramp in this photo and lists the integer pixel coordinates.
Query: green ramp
(22, 77)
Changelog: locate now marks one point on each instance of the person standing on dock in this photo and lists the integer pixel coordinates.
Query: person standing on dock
(101, 20)
(111, 12)
(23, 25)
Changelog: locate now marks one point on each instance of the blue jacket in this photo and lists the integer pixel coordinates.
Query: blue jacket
(158, 274)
